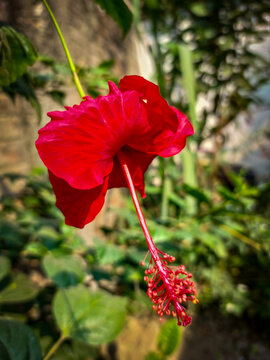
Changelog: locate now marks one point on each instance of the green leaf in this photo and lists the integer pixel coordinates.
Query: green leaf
(169, 337)
(19, 289)
(16, 53)
(119, 11)
(108, 253)
(35, 249)
(214, 243)
(64, 270)
(153, 356)
(49, 237)
(199, 9)
(90, 317)
(177, 200)
(18, 342)
(11, 235)
(136, 254)
(76, 351)
(23, 87)
(5, 266)
(58, 96)
(196, 193)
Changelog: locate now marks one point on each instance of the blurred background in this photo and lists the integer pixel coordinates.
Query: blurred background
(209, 206)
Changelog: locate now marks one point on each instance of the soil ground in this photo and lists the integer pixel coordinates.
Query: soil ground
(209, 337)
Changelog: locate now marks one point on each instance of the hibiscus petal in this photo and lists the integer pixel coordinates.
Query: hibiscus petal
(159, 113)
(78, 206)
(137, 162)
(176, 141)
(73, 145)
(170, 127)
(79, 144)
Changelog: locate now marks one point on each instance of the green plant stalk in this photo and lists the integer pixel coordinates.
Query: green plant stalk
(186, 62)
(137, 17)
(158, 59)
(189, 158)
(165, 189)
(163, 163)
(54, 348)
(190, 178)
(70, 61)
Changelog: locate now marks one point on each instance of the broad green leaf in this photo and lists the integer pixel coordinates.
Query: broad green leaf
(119, 11)
(19, 289)
(64, 270)
(18, 342)
(108, 253)
(90, 317)
(5, 266)
(169, 337)
(16, 53)
(49, 237)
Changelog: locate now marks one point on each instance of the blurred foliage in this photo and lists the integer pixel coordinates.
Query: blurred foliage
(18, 342)
(220, 35)
(16, 54)
(45, 269)
(49, 76)
(168, 339)
(225, 245)
(51, 281)
(119, 11)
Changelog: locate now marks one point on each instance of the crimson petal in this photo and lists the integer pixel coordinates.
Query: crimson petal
(158, 111)
(176, 141)
(78, 206)
(79, 144)
(169, 127)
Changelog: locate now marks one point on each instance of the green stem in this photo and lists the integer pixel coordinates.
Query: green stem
(188, 157)
(54, 347)
(70, 61)
(158, 59)
(166, 189)
(190, 178)
(188, 74)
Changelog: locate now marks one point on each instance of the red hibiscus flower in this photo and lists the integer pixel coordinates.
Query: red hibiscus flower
(80, 145)
(109, 142)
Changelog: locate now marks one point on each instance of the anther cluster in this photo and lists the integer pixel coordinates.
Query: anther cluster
(169, 287)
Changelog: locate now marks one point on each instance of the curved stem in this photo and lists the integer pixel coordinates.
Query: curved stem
(54, 348)
(70, 61)
(141, 217)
